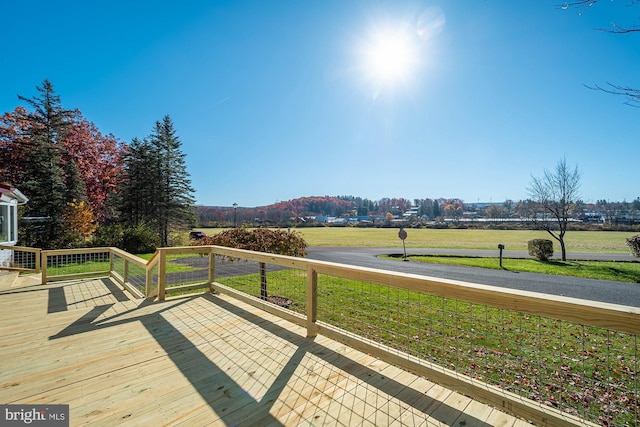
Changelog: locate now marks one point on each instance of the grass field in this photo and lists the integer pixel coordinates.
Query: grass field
(577, 241)
(605, 270)
(541, 358)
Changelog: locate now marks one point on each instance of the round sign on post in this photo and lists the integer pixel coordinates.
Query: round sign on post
(403, 235)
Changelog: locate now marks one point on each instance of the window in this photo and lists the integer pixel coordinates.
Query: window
(5, 227)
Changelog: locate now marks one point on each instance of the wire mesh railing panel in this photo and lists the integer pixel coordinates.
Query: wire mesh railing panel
(137, 277)
(152, 289)
(18, 259)
(77, 263)
(284, 287)
(135, 273)
(118, 265)
(186, 269)
(589, 372)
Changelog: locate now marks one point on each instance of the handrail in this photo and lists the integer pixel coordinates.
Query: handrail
(46, 254)
(597, 314)
(602, 315)
(611, 317)
(36, 258)
(133, 258)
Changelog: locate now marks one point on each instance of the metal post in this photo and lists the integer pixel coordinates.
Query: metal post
(235, 215)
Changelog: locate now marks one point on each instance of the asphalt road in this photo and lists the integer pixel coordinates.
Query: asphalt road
(589, 289)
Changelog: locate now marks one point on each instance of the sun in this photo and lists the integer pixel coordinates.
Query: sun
(390, 57)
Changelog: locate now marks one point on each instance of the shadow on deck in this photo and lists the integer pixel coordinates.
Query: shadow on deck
(201, 360)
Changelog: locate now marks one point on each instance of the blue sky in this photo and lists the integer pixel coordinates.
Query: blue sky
(275, 100)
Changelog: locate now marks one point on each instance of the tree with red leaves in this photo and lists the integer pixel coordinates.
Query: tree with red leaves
(98, 158)
(56, 157)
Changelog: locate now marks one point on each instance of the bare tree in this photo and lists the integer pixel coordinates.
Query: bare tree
(615, 28)
(632, 94)
(554, 196)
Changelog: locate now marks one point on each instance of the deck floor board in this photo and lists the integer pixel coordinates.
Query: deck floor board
(200, 360)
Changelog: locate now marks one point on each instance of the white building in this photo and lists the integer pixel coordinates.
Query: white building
(10, 198)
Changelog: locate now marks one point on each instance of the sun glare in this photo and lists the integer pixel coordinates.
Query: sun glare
(393, 52)
(391, 57)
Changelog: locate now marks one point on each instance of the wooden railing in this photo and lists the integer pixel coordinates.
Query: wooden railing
(525, 317)
(20, 258)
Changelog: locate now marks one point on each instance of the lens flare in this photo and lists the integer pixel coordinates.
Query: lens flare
(430, 23)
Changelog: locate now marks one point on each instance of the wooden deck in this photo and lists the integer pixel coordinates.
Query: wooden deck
(201, 360)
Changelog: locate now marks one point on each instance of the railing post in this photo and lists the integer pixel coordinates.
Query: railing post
(38, 257)
(212, 269)
(162, 274)
(125, 271)
(45, 260)
(312, 301)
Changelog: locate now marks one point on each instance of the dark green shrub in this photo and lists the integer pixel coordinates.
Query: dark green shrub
(140, 239)
(541, 249)
(108, 236)
(634, 245)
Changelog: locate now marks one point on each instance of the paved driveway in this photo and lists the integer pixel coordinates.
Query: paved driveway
(595, 290)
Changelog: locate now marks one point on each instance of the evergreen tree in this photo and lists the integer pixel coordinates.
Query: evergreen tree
(156, 189)
(436, 209)
(175, 205)
(137, 184)
(43, 165)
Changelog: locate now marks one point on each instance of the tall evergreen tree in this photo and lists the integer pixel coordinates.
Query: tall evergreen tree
(157, 190)
(436, 209)
(44, 170)
(175, 208)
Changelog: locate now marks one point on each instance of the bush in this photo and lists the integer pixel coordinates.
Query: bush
(141, 239)
(178, 238)
(108, 236)
(634, 245)
(541, 249)
(259, 239)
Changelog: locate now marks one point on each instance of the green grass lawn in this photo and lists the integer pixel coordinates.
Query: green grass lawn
(577, 241)
(519, 352)
(103, 265)
(605, 270)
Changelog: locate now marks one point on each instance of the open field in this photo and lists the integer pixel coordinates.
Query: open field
(577, 241)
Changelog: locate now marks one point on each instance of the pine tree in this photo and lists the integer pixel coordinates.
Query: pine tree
(175, 208)
(43, 165)
(156, 190)
(436, 209)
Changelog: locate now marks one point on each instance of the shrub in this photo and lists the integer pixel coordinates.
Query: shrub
(108, 235)
(634, 245)
(140, 239)
(178, 238)
(541, 249)
(259, 239)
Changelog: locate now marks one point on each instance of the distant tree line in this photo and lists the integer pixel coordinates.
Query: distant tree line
(86, 188)
(452, 211)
